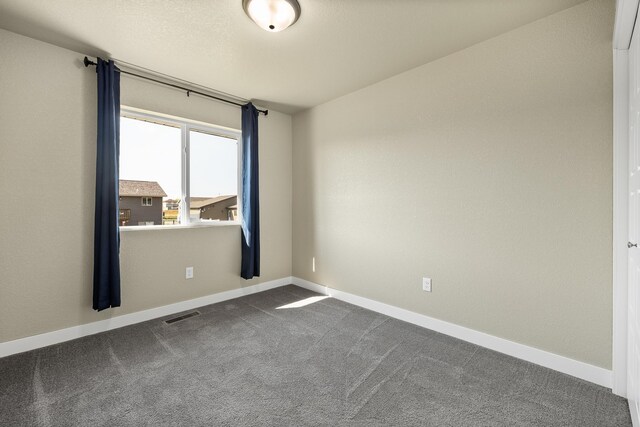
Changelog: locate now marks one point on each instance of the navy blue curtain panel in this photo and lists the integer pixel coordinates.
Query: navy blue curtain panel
(106, 257)
(250, 194)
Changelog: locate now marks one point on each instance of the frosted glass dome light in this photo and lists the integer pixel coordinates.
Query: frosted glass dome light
(272, 15)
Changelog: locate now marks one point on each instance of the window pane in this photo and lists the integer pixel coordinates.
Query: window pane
(214, 177)
(150, 177)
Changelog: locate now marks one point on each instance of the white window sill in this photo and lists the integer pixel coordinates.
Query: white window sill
(204, 224)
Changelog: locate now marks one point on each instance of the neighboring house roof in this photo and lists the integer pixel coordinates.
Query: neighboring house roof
(140, 189)
(199, 199)
(201, 202)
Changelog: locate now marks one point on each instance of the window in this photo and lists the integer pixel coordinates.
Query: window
(125, 216)
(191, 167)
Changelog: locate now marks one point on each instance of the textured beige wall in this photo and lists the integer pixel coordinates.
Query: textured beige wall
(489, 171)
(47, 160)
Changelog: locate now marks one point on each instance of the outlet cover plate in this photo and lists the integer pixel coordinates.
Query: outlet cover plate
(189, 273)
(426, 284)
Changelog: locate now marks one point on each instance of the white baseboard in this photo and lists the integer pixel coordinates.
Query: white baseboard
(61, 335)
(553, 361)
(549, 360)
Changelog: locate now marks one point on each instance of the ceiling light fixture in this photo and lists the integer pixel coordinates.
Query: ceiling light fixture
(272, 15)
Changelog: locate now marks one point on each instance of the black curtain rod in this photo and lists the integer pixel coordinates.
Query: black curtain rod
(88, 62)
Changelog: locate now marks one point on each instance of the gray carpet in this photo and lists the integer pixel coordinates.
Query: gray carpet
(245, 363)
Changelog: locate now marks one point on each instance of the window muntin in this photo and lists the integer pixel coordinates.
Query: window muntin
(193, 167)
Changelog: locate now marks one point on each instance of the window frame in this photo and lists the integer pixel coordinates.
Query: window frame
(186, 126)
(143, 199)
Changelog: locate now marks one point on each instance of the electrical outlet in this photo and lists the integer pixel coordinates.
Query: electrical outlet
(426, 284)
(189, 273)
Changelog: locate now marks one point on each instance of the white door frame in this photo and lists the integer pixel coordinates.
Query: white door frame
(626, 11)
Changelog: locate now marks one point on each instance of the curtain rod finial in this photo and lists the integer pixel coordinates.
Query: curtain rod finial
(88, 62)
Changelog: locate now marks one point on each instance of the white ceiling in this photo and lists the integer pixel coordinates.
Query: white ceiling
(336, 47)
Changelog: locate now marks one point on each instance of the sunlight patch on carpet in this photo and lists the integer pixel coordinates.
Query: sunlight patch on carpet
(302, 302)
